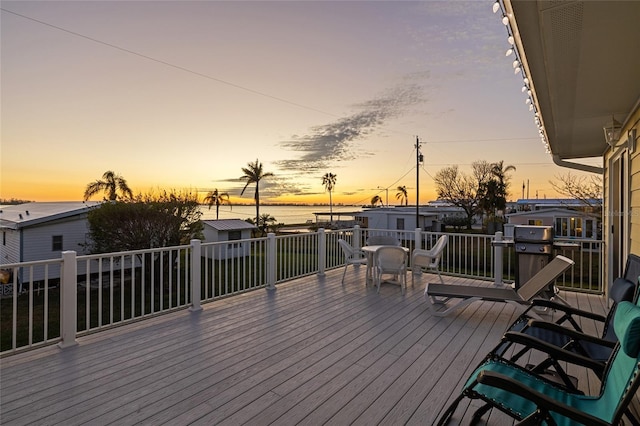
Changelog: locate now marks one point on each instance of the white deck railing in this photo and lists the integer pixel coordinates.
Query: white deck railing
(60, 299)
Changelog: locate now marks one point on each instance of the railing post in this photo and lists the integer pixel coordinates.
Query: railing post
(271, 261)
(322, 251)
(498, 258)
(418, 238)
(68, 299)
(357, 237)
(196, 259)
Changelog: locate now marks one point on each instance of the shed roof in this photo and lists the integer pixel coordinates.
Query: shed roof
(17, 216)
(229, 224)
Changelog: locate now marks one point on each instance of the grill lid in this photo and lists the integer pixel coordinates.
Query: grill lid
(533, 234)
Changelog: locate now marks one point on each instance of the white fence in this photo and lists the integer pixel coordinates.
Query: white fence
(89, 293)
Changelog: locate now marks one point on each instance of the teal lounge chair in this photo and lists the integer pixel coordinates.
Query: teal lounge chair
(531, 400)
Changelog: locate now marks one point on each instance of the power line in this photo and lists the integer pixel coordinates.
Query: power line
(169, 64)
(229, 83)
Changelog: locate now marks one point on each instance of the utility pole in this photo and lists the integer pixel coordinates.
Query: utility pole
(419, 159)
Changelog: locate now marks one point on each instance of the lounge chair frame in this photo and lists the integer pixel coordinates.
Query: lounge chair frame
(540, 285)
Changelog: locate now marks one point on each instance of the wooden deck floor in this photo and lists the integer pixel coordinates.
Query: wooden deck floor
(311, 352)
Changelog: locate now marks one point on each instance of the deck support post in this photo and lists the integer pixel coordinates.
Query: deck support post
(271, 261)
(68, 299)
(418, 238)
(497, 270)
(322, 251)
(196, 280)
(357, 237)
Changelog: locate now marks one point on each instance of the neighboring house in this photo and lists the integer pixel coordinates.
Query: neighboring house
(580, 67)
(39, 231)
(566, 223)
(231, 230)
(529, 204)
(429, 218)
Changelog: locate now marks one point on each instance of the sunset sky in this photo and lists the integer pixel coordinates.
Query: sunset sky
(181, 95)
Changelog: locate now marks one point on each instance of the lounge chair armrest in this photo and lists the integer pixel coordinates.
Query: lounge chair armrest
(542, 401)
(551, 326)
(569, 310)
(555, 352)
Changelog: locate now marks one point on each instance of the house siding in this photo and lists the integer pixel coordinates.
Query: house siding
(38, 239)
(35, 242)
(632, 212)
(634, 202)
(10, 252)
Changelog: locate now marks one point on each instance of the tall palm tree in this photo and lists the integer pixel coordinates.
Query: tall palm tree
(216, 198)
(402, 195)
(496, 188)
(253, 173)
(110, 184)
(500, 171)
(329, 181)
(376, 200)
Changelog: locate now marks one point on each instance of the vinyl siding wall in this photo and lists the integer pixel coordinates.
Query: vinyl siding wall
(634, 167)
(38, 240)
(10, 251)
(633, 184)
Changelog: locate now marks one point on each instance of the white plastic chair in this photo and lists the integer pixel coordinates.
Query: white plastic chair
(352, 256)
(428, 259)
(391, 260)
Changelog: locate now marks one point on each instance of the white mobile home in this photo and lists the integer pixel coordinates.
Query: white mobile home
(39, 231)
(428, 218)
(566, 223)
(231, 230)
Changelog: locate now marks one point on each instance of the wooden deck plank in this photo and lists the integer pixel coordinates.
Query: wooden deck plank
(312, 352)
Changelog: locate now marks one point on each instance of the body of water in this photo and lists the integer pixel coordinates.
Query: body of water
(283, 214)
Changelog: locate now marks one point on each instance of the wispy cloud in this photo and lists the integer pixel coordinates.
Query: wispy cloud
(334, 142)
(270, 187)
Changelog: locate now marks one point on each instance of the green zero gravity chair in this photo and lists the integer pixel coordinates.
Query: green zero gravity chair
(533, 401)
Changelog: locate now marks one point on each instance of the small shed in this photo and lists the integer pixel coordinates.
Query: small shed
(235, 231)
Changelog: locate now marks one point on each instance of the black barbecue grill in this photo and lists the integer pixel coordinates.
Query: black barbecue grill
(534, 250)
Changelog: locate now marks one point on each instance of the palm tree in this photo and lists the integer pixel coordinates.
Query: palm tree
(216, 198)
(329, 181)
(253, 173)
(265, 221)
(111, 184)
(376, 200)
(495, 189)
(499, 171)
(402, 195)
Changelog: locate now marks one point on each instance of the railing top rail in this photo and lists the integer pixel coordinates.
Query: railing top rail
(132, 252)
(31, 263)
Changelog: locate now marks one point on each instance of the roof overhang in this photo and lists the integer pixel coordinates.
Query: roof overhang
(582, 61)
